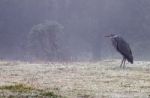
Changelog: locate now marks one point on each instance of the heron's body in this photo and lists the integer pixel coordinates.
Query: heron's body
(123, 48)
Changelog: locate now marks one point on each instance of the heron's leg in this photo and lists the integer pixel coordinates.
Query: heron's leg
(121, 62)
(124, 64)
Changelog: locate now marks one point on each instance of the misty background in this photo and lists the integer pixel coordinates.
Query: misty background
(72, 29)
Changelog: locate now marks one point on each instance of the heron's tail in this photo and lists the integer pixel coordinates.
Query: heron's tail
(130, 59)
(131, 62)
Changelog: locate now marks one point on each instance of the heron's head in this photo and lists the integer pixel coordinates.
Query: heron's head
(112, 35)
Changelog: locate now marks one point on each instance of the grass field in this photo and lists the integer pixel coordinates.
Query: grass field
(102, 79)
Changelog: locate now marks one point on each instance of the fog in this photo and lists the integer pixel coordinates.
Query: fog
(83, 26)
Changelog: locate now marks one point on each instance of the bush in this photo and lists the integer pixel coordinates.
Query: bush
(43, 40)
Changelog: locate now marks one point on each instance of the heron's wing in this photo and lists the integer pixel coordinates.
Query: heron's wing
(124, 48)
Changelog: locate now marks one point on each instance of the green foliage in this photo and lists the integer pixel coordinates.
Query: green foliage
(22, 90)
(51, 95)
(17, 88)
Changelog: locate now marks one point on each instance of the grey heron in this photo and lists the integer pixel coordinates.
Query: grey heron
(122, 47)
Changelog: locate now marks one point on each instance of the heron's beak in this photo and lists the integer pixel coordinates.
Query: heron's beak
(107, 36)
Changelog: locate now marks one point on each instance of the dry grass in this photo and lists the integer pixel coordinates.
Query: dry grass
(81, 80)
